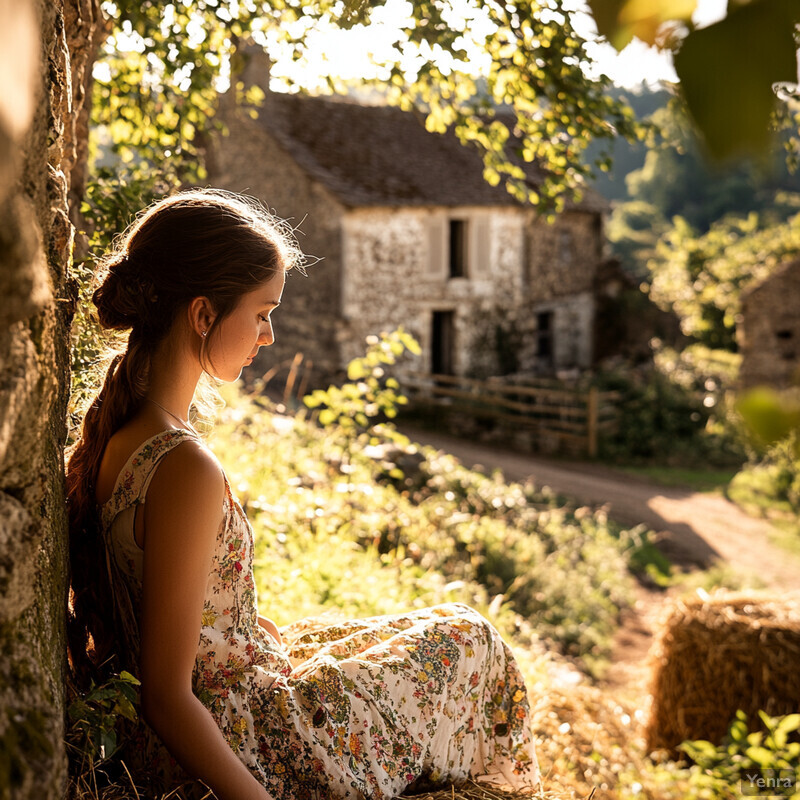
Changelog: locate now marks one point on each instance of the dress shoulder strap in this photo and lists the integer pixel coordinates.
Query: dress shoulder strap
(135, 477)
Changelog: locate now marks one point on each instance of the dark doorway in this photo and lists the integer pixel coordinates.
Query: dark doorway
(442, 343)
(544, 336)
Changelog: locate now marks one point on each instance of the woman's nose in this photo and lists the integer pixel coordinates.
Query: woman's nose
(267, 336)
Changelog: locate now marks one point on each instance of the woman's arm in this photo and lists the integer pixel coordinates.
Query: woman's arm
(268, 625)
(182, 516)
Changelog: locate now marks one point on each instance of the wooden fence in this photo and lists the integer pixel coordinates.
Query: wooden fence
(547, 408)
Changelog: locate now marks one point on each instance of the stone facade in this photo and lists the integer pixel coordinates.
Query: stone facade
(39, 111)
(411, 235)
(559, 274)
(397, 274)
(769, 331)
(251, 161)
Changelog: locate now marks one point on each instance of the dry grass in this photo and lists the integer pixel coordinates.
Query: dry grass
(468, 791)
(717, 653)
(94, 785)
(88, 788)
(586, 741)
(479, 791)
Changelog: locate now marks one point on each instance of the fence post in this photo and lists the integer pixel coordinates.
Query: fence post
(591, 421)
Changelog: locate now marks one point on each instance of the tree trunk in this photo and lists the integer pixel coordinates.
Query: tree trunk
(44, 66)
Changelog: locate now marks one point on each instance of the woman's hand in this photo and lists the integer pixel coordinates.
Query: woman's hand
(270, 627)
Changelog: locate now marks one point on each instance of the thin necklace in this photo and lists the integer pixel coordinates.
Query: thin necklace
(167, 411)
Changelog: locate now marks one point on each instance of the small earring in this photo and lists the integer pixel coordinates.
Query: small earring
(205, 332)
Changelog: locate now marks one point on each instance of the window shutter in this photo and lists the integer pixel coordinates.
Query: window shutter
(479, 247)
(437, 250)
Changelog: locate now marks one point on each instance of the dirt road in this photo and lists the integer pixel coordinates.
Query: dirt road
(694, 529)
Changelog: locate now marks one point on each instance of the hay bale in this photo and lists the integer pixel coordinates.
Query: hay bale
(714, 654)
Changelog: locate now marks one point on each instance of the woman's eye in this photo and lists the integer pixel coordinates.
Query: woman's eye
(263, 318)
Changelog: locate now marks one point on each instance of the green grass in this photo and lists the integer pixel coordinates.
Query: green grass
(697, 480)
(780, 515)
(718, 576)
(753, 490)
(339, 526)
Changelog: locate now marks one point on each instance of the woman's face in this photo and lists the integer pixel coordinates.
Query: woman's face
(248, 327)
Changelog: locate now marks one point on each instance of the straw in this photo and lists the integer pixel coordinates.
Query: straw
(714, 654)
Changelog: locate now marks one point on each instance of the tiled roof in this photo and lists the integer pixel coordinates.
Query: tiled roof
(787, 273)
(381, 155)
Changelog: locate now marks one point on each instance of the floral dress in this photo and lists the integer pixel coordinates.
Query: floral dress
(355, 709)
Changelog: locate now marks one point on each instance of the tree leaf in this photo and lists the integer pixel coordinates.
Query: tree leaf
(727, 71)
(356, 370)
(326, 417)
(620, 20)
(769, 416)
(108, 743)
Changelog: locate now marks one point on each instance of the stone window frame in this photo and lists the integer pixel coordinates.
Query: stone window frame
(476, 238)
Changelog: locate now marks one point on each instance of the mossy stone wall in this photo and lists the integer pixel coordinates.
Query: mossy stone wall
(41, 144)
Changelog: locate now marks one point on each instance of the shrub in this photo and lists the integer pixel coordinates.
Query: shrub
(677, 409)
(730, 770)
(355, 516)
(773, 482)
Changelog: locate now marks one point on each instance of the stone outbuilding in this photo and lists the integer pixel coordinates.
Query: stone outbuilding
(769, 330)
(410, 234)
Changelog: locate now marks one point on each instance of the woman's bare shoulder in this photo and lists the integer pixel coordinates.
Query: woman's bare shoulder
(184, 505)
(189, 461)
(190, 469)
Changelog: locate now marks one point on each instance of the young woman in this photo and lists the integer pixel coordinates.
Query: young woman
(162, 563)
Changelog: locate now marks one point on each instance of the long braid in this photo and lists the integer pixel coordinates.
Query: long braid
(90, 622)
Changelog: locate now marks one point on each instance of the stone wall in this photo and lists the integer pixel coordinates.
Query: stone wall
(571, 334)
(252, 162)
(561, 263)
(626, 320)
(398, 275)
(562, 257)
(38, 110)
(769, 332)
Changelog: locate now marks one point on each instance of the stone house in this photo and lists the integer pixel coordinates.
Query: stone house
(410, 235)
(768, 332)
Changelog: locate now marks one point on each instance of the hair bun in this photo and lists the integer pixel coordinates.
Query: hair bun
(119, 299)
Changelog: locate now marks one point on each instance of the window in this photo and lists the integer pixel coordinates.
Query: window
(458, 248)
(544, 335)
(786, 347)
(442, 343)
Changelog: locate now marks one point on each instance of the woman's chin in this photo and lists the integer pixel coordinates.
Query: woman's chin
(228, 378)
(231, 377)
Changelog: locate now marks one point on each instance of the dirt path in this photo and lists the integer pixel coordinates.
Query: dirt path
(694, 530)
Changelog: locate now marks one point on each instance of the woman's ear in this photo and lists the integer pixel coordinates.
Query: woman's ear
(201, 315)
